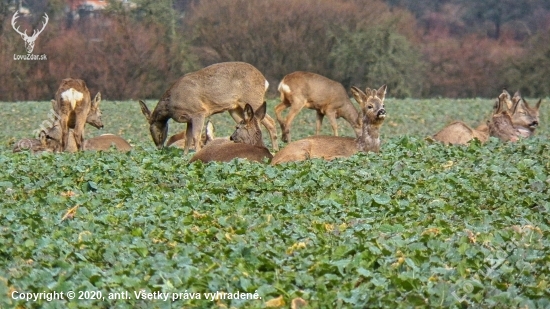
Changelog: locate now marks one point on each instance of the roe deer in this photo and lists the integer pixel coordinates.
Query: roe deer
(226, 86)
(246, 142)
(179, 140)
(102, 142)
(32, 144)
(500, 126)
(313, 91)
(524, 117)
(329, 147)
(75, 108)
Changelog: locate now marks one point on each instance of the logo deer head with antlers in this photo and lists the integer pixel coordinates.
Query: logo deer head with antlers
(29, 40)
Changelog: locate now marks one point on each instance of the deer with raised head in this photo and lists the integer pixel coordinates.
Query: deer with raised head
(314, 91)
(246, 142)
(29, 40)
(500, 125)
(226, 86)
(75, 108)
(525, 117)
(373, 114)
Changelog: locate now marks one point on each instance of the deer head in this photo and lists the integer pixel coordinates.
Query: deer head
(29, 40)
(248, 130)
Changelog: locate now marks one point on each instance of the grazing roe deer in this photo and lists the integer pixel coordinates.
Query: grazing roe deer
(75, 108)
(226, 86)
(500, 126)
(314, 91)
(329, 147)
(246, 142)
(525, 118)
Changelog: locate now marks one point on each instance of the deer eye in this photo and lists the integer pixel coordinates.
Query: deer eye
(370, 107)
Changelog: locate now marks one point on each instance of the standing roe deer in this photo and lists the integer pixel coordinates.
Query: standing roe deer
(246, 142)
(313, 91)
(226, 86)
(500, 126)
(179, 140)
(329, 147)
(75, 108)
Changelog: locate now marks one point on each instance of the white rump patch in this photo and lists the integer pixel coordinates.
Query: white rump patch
(266, 85)
(284, 88)
(72, 96)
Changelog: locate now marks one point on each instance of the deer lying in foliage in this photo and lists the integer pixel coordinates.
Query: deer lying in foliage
(373, 114)
(313, 91)
(525, 118)
(75, 108)
(246, 142)
(32, 144)
(226, 86)
(500, 126)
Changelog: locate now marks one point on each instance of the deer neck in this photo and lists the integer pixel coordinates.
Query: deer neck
(350, 114)
(370, 138)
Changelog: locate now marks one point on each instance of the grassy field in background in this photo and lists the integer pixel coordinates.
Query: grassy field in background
(419, 225)
(418, 118)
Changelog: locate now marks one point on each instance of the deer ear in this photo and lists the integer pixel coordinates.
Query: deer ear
(260, 112)
(97, 99)
(248, 113)
(145, 110)
(501, 104)
(515, 106)
(537, 106)
(358, 95)
(381, 92)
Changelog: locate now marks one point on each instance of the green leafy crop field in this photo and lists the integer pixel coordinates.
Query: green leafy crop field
(419, 225)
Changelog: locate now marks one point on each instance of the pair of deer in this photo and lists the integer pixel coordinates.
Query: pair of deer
(512, 118)
(73, 108)
(238, 88)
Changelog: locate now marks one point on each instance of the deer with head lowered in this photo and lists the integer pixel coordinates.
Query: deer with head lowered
(314, 91)
(373, 114)
(500, 125)
(226, 86)
(75, 108)
(246, 142)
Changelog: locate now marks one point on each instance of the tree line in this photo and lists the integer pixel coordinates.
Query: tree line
(421, 48)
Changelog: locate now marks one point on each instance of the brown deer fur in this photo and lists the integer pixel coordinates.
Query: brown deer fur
(329, 147)
(246, 142)
(226, 86)
(313, 91)
(74, 107)
(500, 126)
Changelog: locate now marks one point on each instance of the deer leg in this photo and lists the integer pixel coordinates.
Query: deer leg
(79, 133)
(333, 123)
(237, 114)
(64, 124)
(188, 137)
(196, 130)
(319, 122)
(278, 113)
(269, 124)
(294, 110)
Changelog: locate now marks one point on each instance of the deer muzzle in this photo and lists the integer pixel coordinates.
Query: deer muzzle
(381, 113)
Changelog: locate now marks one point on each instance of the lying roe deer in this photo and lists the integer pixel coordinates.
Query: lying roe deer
(313, 91)
(329, 147)
(525, 118)
(75, 108)
(500, 126)
(102, 142)
(32, 144)
(246, 142)
(226, 86)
